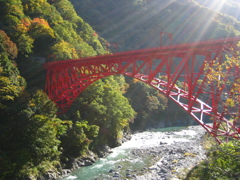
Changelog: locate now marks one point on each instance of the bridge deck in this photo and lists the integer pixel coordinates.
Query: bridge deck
(181, 47)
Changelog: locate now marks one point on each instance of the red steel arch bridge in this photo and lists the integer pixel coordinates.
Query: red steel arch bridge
(162, 68)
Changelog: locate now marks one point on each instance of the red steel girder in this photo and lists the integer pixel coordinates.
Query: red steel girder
(65, 80)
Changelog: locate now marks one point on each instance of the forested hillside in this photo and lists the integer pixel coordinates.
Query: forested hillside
(227, 7)
(34, 138)
(135, 24)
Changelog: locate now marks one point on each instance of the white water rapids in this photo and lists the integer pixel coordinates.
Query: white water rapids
(157, 154)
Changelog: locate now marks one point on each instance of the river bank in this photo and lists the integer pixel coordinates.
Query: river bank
(177, 158)
(149, 155)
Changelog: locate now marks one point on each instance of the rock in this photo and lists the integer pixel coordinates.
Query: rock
(103, 151)
(180, 150)
(116, 173)
(80, 163)
(152, 151)
(119, 166)
(163, 170)
(38, 178)
(152, 168)
(164, 162)
(128, 175)
(126, 137)
(111, 171)
(50, 175)
(65, 172)
(172, 151)
(162, 143)
(134, 176)
(88, 163)
(75, 166)
(89, 159)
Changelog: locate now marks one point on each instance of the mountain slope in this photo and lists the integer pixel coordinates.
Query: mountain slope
(229, 7)
(137, 24)
(30, 131)
(48, 27)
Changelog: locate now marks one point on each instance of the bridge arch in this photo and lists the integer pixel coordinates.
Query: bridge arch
(65, 80)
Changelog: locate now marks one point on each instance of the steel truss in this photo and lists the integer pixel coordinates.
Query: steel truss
(176, 70)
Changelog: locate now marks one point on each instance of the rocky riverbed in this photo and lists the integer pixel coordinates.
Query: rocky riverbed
(153, 156)
(173, 158)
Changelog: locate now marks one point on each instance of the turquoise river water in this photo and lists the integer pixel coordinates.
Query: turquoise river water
(122, 159)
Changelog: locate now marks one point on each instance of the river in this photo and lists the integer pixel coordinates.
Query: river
(167, 153)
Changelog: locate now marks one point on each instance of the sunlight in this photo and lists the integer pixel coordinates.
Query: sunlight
(217, 4)
(203, 21)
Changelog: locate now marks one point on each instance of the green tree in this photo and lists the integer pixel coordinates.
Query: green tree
(148, 103)
(62, 50)
(78, 138)
(223, 163)
(104, 105)
(11, 83)
(65, 8)
(30, 135)
(225, 78)
(42, 34)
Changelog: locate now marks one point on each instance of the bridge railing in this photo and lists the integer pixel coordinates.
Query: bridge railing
(148, 50)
